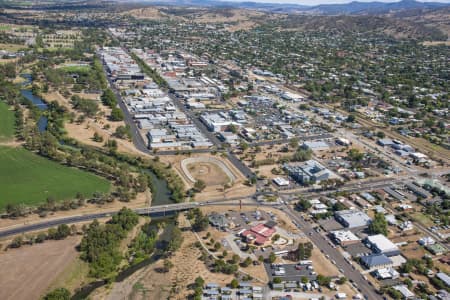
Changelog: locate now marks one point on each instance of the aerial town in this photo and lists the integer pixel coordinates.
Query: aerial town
(224, 150)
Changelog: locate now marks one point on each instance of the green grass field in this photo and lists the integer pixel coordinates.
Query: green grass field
(29, 179)
(6, 122)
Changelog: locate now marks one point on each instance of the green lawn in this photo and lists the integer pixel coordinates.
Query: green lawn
(6, 122)
(29, 179)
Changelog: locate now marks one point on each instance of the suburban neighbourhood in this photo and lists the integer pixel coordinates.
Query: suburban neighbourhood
(224, 150)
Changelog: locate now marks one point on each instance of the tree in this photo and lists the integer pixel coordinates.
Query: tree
(275, 237)
(199, 185)
(243, 145)
(117, 114)
(303, 205)
(41, 237)
(123, 132)
(355, 155)
(381, 134)
(302, 155)
(379, 225)
(201, 222)
(272, 257)
(58, 294)
(246, 262)
(341, 280)
(303, 251)
(108, 98)
(234, 284)
(351, 118)
(304, 279)
(199, 281)
(323, 280)
(233, 128)
(235, 259)
(217, 246)
(276, 280)
(97, 138)
(17, 242)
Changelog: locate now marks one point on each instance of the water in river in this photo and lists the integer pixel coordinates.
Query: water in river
(37, 101)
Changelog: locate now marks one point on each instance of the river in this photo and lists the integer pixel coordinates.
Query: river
(161, 196)
(37, 101)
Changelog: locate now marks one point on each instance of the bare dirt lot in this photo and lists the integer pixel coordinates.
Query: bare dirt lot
(85, 131)
(31, 269)
(150, 283)
(209, 173)
(212, 192)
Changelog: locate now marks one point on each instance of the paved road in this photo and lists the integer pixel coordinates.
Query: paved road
(167, 208)
(51, 223)
(138, 141)
(212, 137)
(334, 255)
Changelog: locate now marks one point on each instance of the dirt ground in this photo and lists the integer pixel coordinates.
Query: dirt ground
(141, 200)
(322, 265)
(209, 173)
(413, 250)
(28, 271)
(213, 191)
(85, 131)
(149, 283)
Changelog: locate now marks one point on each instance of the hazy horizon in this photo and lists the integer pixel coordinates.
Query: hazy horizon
(316, 2)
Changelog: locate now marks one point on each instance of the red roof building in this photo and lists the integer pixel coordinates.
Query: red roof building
(259, 234)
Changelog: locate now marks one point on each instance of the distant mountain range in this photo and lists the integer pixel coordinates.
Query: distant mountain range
(352, 8)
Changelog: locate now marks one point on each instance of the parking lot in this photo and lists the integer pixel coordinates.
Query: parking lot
(293, 272)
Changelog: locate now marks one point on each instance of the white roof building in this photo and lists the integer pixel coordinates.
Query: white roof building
(344, 237)
(280, 181)
(403, 289)
(381, 244)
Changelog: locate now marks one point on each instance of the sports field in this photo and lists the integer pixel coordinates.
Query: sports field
(6, 122)
(29, 179)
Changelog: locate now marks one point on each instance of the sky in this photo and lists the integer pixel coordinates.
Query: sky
(316, 2)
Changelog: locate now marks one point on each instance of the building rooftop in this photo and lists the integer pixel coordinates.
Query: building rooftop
(375, 260)
(403, 289)
(353, 218)
(381, 243)
(344, 236)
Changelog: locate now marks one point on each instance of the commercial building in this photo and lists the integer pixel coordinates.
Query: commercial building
(259, 234)
(217, 121)
(386, 273)
(344, 237)
(280, 181)
(309, 171)
(444, 277)
(376, 261)
(352, 218)
(382, 245)
(315, 145)
(218, 220)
